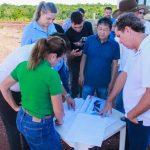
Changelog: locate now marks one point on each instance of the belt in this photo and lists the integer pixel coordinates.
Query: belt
(35, 119)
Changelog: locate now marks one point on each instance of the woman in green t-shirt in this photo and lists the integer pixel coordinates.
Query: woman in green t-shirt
(40, 94)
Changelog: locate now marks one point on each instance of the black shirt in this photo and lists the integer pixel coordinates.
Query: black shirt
(58, 28)
(74, 36)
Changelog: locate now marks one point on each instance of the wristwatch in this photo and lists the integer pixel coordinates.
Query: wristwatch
(67, 95)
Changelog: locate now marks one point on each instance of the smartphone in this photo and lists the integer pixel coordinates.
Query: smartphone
(78, 50)
(83, 39)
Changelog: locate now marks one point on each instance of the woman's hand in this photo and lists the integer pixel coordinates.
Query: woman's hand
(58, 122)
(17, 108)
(70, 102)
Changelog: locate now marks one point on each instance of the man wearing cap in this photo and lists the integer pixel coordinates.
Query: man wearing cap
(135, 79)
(141, 12)
(147, 17)
(132, 6)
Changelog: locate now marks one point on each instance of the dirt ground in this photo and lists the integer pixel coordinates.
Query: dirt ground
(10, 37)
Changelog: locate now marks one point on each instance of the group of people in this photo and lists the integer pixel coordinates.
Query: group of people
(35, 77)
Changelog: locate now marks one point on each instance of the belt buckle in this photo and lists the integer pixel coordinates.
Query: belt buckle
(34, 119)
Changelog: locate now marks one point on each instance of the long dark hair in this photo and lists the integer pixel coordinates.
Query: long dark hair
(44, 47)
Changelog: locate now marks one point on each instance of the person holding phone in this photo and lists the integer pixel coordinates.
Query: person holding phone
(79, 29)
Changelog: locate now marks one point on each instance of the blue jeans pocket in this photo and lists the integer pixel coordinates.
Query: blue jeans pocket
(33, 135)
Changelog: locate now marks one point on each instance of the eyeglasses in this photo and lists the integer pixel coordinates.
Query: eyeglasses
(140, 12)
(104, 30)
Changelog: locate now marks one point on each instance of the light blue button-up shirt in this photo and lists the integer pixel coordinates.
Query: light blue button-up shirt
(33, 32)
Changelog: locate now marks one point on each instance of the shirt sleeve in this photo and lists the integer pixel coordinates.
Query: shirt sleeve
(26, 37)
(90, 29)
(145, 61)
(116, 51)
(127, 64)
(14, 74)
(55, 86)
(86, 45)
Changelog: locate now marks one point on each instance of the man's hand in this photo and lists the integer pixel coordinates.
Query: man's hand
(131, 118)
(70, 102)
(107, 109)
(75, 53)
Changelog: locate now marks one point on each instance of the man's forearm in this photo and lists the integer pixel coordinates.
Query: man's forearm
(142, 106)
(114, 71)
(82, 64)
(119, 84)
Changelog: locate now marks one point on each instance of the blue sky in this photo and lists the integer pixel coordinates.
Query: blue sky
(35, 2)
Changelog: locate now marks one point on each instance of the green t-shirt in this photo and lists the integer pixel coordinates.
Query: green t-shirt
(37, 86)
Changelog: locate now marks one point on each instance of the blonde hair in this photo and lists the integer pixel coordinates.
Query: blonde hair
(44, 47)
(44, 7)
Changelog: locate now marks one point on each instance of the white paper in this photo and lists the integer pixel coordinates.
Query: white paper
(82, 126)
(87, 129)
(69, 117)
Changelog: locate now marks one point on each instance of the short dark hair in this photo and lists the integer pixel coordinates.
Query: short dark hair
(106, 21)
(108, 8)
(130, 20)
(76, 17)
(81, 10)
(64, 37)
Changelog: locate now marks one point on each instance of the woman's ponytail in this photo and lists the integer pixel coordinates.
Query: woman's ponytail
(38, 53)
(44, 47)
(37, 13)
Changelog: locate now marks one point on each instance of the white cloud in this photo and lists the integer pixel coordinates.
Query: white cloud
(36, 2)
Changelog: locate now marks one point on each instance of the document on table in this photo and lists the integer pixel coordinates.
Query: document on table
(89, 129)
(93, 105)
(84, 126)
(69, 117)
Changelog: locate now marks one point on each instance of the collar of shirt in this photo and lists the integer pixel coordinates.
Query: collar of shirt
(97, 37)
(143, 43)
(51, 28)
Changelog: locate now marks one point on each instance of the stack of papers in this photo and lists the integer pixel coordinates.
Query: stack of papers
(81, 126)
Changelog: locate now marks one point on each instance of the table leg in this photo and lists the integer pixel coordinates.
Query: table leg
(79, 146)
(122, 139)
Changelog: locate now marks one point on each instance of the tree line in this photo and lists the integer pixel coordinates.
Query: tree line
(25, 12)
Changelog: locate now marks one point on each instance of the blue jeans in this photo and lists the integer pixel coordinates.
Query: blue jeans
(88, 90)
(39, 135)
(138, 135)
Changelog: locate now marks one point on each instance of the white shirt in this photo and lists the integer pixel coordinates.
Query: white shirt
(19, 55)
(125, 54)
(138, 79)
(147, 27)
